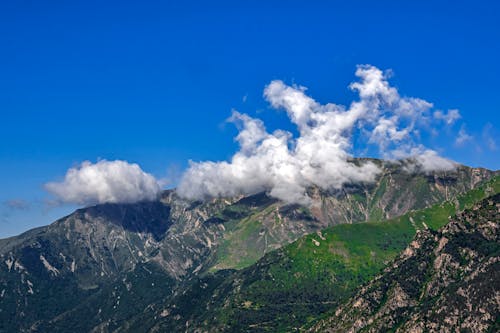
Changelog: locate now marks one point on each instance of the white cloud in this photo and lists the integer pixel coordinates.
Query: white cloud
(285, 166)
(105, 181)
(449, 118)
(428, 160)
(462, 137)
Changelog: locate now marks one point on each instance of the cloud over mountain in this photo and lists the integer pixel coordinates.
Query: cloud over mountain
(285, 166)
(105, 181)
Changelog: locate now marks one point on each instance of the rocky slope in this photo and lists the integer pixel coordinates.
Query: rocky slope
(444, 281)
(137, 255)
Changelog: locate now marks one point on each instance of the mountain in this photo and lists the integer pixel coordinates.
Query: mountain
(49, 270)
(444, 281)
(126, 267)
(298, 283)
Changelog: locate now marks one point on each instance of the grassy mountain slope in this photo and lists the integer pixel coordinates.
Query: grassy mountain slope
(261, 224)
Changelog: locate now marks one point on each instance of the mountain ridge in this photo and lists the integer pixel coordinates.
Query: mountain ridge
(172, 241)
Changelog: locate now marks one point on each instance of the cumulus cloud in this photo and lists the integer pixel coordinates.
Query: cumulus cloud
(429, 160)
(105, 182)
(449, 118)
(285, 166)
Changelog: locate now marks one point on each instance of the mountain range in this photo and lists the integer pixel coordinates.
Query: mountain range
(413, 251)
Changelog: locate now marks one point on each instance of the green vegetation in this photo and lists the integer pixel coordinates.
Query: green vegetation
(249, 230)
(239, 248)
(437, 216)
(315, 273)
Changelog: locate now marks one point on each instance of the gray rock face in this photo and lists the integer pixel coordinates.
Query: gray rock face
(446, 281)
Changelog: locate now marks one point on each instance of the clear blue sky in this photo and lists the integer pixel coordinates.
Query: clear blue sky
(153, 81)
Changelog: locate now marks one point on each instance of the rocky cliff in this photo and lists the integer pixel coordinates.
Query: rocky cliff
(444, 281)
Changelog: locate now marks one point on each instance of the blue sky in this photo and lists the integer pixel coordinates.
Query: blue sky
(152, 82)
